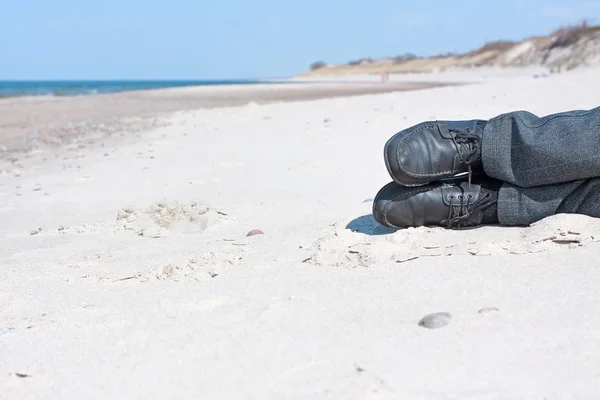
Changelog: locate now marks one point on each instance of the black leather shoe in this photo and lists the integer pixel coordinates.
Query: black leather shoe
(451, 205)
(433, 151)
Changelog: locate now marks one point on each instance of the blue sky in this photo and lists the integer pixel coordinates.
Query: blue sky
(203, 39)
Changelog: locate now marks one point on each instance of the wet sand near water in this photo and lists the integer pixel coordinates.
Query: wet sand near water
(29, 122)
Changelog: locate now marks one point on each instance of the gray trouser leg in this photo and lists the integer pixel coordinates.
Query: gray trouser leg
(527, 151)
(519, 206)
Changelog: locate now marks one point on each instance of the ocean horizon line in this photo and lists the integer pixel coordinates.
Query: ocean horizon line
(79, 87)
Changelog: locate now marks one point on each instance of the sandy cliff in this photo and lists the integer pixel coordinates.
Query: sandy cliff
(564, 49)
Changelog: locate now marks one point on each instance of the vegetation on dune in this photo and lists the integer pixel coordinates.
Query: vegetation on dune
(317, 65)
(569, 35)
(361, 61)
(565, 37)
(404, 57)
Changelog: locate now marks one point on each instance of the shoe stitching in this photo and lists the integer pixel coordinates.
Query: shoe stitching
(416, 175)
(388, 205)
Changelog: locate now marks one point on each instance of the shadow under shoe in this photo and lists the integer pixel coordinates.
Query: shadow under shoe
(451, 205)
(434, 150)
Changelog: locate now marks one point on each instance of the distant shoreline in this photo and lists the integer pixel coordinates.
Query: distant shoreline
(67, 88)
(27, 122)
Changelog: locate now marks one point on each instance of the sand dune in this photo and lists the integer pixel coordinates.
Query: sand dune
(565, 49)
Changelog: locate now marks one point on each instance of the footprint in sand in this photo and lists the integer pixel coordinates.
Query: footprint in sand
(86, 228)
(196, 269)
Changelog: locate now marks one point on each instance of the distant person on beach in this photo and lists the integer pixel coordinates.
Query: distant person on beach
(513, 170)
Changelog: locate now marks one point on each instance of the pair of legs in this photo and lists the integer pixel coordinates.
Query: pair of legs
(520, 168)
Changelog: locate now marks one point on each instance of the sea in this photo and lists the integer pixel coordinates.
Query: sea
(88, 87)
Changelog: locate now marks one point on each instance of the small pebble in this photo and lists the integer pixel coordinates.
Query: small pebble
(435, 320)
(35, 231)
(255, 232)
(487, 310)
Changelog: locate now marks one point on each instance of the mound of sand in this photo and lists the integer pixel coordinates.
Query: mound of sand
(162, 218)
(365, 242)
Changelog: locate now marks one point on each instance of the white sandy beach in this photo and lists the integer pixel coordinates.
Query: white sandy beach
(127, 273)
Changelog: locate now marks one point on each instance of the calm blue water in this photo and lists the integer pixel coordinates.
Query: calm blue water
(75, 88)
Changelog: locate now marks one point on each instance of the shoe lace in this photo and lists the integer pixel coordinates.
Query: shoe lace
(468, 147)
(458, 215)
